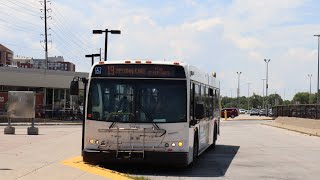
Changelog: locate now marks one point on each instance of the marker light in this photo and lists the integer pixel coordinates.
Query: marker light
(138, 62)
(148, 62)
(173, 144)
(128, 62)
(91, 141)
(101, 62)
(97, 141)
(176, 63)
(180, 144)
(166, 145)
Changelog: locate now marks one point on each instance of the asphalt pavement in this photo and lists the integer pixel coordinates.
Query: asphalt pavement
(245, 150)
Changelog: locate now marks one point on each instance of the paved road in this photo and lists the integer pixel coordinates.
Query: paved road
(245, 150)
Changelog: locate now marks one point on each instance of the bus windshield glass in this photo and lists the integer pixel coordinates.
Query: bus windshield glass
(137, 100)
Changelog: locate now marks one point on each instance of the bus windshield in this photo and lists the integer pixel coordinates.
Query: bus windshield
(137, 100)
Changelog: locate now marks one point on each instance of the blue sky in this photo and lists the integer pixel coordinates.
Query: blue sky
(225, 36)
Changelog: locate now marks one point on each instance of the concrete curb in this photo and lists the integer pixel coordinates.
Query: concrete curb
(245, 119)
(311, 132)
(39, 124)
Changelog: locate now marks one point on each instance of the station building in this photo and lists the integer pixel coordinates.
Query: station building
(51, 87)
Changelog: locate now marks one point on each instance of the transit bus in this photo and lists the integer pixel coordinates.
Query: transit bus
(157, 112)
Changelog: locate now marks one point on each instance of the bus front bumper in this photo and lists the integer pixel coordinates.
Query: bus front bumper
(150, 157)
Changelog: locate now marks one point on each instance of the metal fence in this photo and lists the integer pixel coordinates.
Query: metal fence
(311, 111)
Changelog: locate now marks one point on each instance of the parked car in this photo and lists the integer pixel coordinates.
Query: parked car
(262, 112)
(254, 111)
(231, 112)
(242, 111)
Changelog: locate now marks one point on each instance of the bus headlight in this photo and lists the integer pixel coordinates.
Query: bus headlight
(91, 141)
(180, 144)
(97, 141)
(173, 144)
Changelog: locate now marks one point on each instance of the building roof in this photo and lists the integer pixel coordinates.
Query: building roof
(4, 48)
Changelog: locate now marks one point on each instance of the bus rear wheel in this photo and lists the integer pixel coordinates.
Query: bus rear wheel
(215, 136)
(195, 148)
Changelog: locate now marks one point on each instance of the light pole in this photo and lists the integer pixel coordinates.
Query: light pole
(92, 57)
(263, 93)
(267, 61)
(238, 90)
(106, 38)
(248, 94)
(318, 69)
(310, 100)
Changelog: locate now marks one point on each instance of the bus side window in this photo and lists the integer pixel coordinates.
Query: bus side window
(192, 86)
(209, 101)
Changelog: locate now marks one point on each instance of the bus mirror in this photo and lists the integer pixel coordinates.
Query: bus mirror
(210, 92)
(74, 87)
(199, 111)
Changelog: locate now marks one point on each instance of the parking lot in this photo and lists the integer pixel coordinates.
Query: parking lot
(245, 150)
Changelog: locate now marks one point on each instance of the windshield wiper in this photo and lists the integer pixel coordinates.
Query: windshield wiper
(155, 126)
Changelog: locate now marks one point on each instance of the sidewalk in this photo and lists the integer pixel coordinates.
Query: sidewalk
(302, 125)
(41, 122)
(248, 117)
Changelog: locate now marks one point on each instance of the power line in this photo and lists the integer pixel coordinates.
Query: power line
(71, 40)
(10, 16)
(69, 22)
(18, 25)
(19, 10)
(22, 47)
(68, 44)
(24, 6)
(73, 56)
(21, 2)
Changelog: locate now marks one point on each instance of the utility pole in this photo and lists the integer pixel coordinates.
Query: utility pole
(100, 54)
(45, 34)
(318, 69)
(310, 100)
(238, 90)
(248, 95)
(267, 61)
(263, 93)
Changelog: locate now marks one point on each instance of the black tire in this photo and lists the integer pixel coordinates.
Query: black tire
(215, 136)
(195, 148)
(232, 116)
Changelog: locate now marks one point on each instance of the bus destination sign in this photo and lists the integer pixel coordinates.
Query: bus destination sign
(138, 70)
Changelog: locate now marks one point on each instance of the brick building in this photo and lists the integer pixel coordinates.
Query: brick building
(6, 55)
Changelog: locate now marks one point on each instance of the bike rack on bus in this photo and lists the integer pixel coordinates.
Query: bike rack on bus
(133, 152)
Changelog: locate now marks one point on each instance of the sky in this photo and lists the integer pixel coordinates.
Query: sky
(222, 36)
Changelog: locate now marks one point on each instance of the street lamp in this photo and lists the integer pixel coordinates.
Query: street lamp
(263, 93)
(92, 57)
(248, 94)
(238, 90)
(318, 69)
(267, 61)
(106, 38)
(310, 76)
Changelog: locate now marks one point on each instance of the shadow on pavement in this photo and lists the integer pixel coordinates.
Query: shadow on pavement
(212, 163)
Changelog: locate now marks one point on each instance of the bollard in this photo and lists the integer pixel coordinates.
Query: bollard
(33, 130)
(225, 115)
(9, 129)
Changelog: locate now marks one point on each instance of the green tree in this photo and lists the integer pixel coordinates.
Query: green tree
(256, 101)
(301, 98)
(274, 100)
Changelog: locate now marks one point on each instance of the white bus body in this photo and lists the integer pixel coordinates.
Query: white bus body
(140, 133)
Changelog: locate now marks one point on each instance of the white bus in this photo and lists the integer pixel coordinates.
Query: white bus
(149, 111)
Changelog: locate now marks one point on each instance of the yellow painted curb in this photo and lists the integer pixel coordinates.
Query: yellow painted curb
(76, 162)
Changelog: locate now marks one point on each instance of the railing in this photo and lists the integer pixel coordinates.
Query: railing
(311, 111)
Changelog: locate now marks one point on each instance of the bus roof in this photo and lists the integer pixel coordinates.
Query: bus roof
(193, 72)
